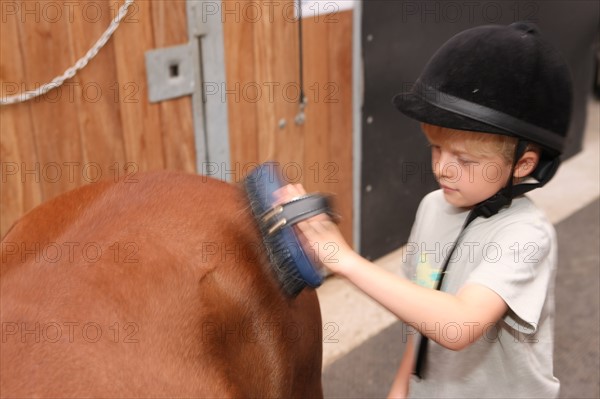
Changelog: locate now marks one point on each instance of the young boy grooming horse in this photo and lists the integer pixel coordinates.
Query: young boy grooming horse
(494, 103)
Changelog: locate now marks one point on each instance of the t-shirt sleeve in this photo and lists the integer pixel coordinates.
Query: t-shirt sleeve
(518, 265)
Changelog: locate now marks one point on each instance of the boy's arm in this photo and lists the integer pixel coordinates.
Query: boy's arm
(453, 321)
(400, 386)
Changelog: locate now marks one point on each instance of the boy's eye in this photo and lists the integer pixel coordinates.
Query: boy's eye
(464, 161)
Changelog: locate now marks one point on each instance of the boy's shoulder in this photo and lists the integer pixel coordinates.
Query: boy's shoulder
(521, 222)
(524, 210)
(523, 215)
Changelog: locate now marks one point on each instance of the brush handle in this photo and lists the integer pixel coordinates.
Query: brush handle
(295, 211)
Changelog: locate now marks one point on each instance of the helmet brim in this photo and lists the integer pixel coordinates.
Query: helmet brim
(417, 108)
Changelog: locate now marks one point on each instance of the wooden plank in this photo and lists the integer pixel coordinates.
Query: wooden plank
(169, 24)
(18, 192)
(290, 141)
(141, 120)
(239, 38)
(267, 116)
(328, 154)
(98, 93)
(46, 54)
(318, 128)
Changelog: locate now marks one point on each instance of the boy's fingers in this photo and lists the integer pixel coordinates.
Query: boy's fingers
(288, 192)
(295, 190)
(319, 218)
(278, 196)
(284, 194)
(299, 189)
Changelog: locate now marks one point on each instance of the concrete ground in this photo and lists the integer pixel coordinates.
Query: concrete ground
(361, 345)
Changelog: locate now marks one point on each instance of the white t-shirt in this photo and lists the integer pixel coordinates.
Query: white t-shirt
(514, 254)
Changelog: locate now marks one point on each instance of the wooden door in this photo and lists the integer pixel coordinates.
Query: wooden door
(263, 80)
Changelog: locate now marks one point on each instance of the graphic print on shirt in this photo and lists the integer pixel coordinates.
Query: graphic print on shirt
(426, 275)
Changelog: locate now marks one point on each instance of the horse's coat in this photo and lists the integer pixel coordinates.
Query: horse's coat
(157, 287)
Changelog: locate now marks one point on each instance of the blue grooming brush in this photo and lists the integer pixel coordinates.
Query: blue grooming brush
(293, 268)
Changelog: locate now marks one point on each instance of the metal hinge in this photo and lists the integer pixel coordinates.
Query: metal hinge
(170, 72)
(173, 71)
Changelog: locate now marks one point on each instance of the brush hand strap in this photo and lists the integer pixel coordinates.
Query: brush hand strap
(295, 211)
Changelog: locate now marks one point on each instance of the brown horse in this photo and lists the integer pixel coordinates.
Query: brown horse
(153, 287)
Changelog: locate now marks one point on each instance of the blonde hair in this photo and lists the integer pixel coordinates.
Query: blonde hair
(476, 143)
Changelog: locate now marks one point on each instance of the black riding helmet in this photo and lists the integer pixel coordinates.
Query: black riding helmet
(498, 79)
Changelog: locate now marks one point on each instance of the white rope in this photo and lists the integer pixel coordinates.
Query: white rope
(80, 64)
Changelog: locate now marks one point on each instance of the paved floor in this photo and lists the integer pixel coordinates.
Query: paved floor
(361, 351)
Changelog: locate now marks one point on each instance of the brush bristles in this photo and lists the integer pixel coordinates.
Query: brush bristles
(280, 256)
(284, 266)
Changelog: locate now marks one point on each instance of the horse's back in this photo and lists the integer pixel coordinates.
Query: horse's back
(156, 287)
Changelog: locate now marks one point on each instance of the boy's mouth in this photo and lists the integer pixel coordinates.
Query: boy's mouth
(447, 189)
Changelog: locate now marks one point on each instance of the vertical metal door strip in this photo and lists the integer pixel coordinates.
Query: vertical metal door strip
(192, 69)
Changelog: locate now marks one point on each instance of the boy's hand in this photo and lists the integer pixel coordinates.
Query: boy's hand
(320, 237)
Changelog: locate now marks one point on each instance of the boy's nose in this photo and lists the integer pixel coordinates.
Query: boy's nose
(445, 167)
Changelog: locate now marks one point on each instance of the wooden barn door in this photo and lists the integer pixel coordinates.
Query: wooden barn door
(99, 124)
(263, 79)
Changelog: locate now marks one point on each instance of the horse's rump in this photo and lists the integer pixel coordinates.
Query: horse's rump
(157, 287)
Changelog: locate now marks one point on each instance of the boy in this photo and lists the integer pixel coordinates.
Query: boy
(494, 102)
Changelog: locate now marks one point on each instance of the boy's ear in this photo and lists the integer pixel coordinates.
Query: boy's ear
(527, 164)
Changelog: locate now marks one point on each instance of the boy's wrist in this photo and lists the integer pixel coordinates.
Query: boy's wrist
(345, 263)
